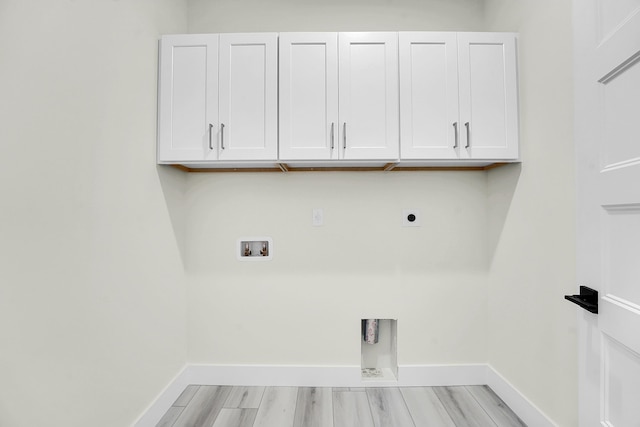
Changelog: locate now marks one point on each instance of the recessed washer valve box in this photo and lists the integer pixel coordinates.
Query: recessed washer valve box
(254, 249)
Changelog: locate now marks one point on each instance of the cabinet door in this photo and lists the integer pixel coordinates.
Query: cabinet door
(248, 96)
(429, 125)
(368, 93)
(188, 97)
(308, 96)
(488, 95)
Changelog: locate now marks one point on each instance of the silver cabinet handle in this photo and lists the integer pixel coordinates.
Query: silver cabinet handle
(466, 125)
(222, 135)
(344, 135)
(332, 144)
(210, 132)
(455, 131)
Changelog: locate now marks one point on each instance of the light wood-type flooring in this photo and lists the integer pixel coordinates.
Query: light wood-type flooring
(227, 406)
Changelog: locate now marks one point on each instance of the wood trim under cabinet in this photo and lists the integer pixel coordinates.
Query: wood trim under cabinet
(389, 167)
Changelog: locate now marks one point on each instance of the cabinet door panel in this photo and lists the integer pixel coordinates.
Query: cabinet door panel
(188, 97)
(308, 95)
(428, 96)
(368, 80)
(248, 97)
(488, 95)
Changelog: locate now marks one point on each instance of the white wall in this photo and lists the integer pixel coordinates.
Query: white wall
(532, 338)
(304, 307)
(333, 15)
(92, 298)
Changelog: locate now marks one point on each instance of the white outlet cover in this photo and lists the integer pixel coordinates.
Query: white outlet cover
(317, 217)
(411, 218)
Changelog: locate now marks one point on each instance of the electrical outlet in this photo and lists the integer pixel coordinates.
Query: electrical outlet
(317, 217)
(410, 218)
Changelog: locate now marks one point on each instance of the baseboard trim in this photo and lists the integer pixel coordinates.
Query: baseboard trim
(440, 375)
(342, 376)
(152, 415)
(526, 410)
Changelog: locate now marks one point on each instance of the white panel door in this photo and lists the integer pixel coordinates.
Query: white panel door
(488, 95)
(368, 80)
(429, 125)
(188, 97)
(248, 85)
(308, 96)
(607, 106)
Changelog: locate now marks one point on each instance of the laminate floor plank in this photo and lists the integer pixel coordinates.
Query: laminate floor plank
(278, 407)
(351, 409)
(229, 417)
(425, 407)
(170, 417)
(244, 397)
(314, 407)
(186, 396)
(464, 410)
(227, 406)
(204, 407)
(501, 414)
(388, 408)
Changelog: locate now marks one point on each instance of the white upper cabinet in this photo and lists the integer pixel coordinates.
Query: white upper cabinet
(248, 127)
(188, 97)
(368, 95)
(308, 96)
(488, 95)
(458, 96)
(218, 98)
(429, 122)
(369, 98)
(339, 96)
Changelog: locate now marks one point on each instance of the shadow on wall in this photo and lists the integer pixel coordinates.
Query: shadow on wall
(174, 184)
(502, 184)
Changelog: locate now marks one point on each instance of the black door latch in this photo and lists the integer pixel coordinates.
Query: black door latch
(588, 299)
